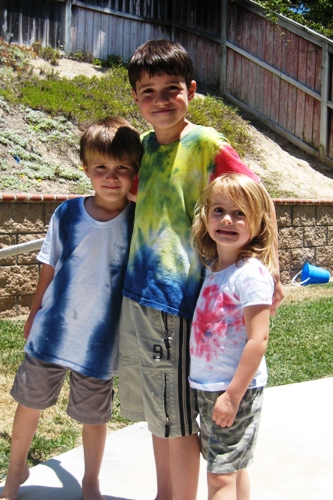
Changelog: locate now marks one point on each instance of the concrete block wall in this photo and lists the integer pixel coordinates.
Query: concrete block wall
(23, 218)
(305, 235)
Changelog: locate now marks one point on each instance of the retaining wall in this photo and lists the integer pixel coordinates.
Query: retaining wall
(305, 235)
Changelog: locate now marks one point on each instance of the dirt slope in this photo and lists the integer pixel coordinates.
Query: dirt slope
(283, 167)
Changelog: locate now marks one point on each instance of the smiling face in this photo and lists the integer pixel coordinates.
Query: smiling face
(163, 101)
(111, 179)
(228, 226)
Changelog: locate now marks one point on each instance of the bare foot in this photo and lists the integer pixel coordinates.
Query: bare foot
(91, 492)
(13, 483)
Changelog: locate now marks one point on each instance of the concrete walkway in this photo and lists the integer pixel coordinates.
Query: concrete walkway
(293, 459)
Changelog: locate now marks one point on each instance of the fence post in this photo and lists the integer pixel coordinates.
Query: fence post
(224, 24)
(173, 20)
(325, 75)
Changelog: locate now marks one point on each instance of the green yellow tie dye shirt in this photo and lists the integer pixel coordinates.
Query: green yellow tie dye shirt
(163, 271)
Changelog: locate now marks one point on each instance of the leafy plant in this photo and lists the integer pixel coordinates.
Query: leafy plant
(315, 14)
(15, 56)
(47, 53)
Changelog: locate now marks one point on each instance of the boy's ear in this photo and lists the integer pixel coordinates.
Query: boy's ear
(192, 90)
(135, 97)
(86, 170)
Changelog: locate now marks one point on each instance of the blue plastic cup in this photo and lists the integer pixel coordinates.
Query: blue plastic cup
(312, 274)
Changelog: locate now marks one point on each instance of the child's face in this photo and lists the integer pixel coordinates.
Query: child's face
(111, 179)
(227, 224)
(163, 100)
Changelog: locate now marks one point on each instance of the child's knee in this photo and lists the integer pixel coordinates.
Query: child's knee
(218, 482)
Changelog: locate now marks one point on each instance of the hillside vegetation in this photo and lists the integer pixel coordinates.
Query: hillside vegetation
(45, 104)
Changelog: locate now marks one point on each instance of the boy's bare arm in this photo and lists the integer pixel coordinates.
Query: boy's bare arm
(278, 295)
(45, 278)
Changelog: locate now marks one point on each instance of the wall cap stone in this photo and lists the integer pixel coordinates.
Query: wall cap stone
(297, 201)
(35, 197)
(47, 197)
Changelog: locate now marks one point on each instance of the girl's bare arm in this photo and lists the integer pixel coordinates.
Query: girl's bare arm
(257, 328)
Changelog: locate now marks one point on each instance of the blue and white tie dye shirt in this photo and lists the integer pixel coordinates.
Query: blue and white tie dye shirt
(77, 325)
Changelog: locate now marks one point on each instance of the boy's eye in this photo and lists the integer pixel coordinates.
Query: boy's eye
(239, 213)
(100, 167)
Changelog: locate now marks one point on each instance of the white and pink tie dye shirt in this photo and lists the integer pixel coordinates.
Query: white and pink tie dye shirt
(218, 334)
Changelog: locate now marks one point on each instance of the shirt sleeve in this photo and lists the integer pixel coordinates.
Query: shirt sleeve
(255, 285)
(227, 161)
(51, 248)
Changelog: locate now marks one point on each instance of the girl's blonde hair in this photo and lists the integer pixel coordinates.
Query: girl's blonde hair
(253, 200)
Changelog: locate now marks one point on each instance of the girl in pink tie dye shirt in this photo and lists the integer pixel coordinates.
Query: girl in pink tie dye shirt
(234, 235)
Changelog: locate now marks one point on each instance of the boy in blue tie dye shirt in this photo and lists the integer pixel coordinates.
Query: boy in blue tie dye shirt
(74, 319)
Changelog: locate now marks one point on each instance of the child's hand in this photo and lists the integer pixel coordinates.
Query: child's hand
(225, 410)
(277, 297)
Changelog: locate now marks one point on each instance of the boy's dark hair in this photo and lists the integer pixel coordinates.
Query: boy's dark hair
(160, 56)
(114, 137)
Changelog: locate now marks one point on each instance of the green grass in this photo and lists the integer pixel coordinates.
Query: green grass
(300, 348)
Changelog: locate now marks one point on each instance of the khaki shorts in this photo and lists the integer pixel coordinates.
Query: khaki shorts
(37, 385)
(153, 371)
(229, 449)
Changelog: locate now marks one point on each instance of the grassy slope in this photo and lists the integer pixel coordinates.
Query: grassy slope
(41, 113)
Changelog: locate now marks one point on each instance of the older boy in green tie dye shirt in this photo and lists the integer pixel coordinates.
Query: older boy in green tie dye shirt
(164, 275)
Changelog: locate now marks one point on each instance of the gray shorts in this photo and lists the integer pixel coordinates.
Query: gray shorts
(153, 371)
(37, 384)
(229, 449)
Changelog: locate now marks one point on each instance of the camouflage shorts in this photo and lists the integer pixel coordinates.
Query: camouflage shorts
(229, 449)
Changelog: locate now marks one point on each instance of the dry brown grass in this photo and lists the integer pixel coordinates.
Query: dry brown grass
(299, 293)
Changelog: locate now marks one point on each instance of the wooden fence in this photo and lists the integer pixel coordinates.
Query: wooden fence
(280, 73)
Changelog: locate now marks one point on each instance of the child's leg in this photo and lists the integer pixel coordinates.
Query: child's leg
(90, 401)
(24, 428)
(185, 463)
(243, 485)
(177, 467)
(93, 438)
(163, 469)
(222, 486)
(234, 486)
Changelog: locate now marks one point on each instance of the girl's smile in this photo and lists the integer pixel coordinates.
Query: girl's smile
(228, 227)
